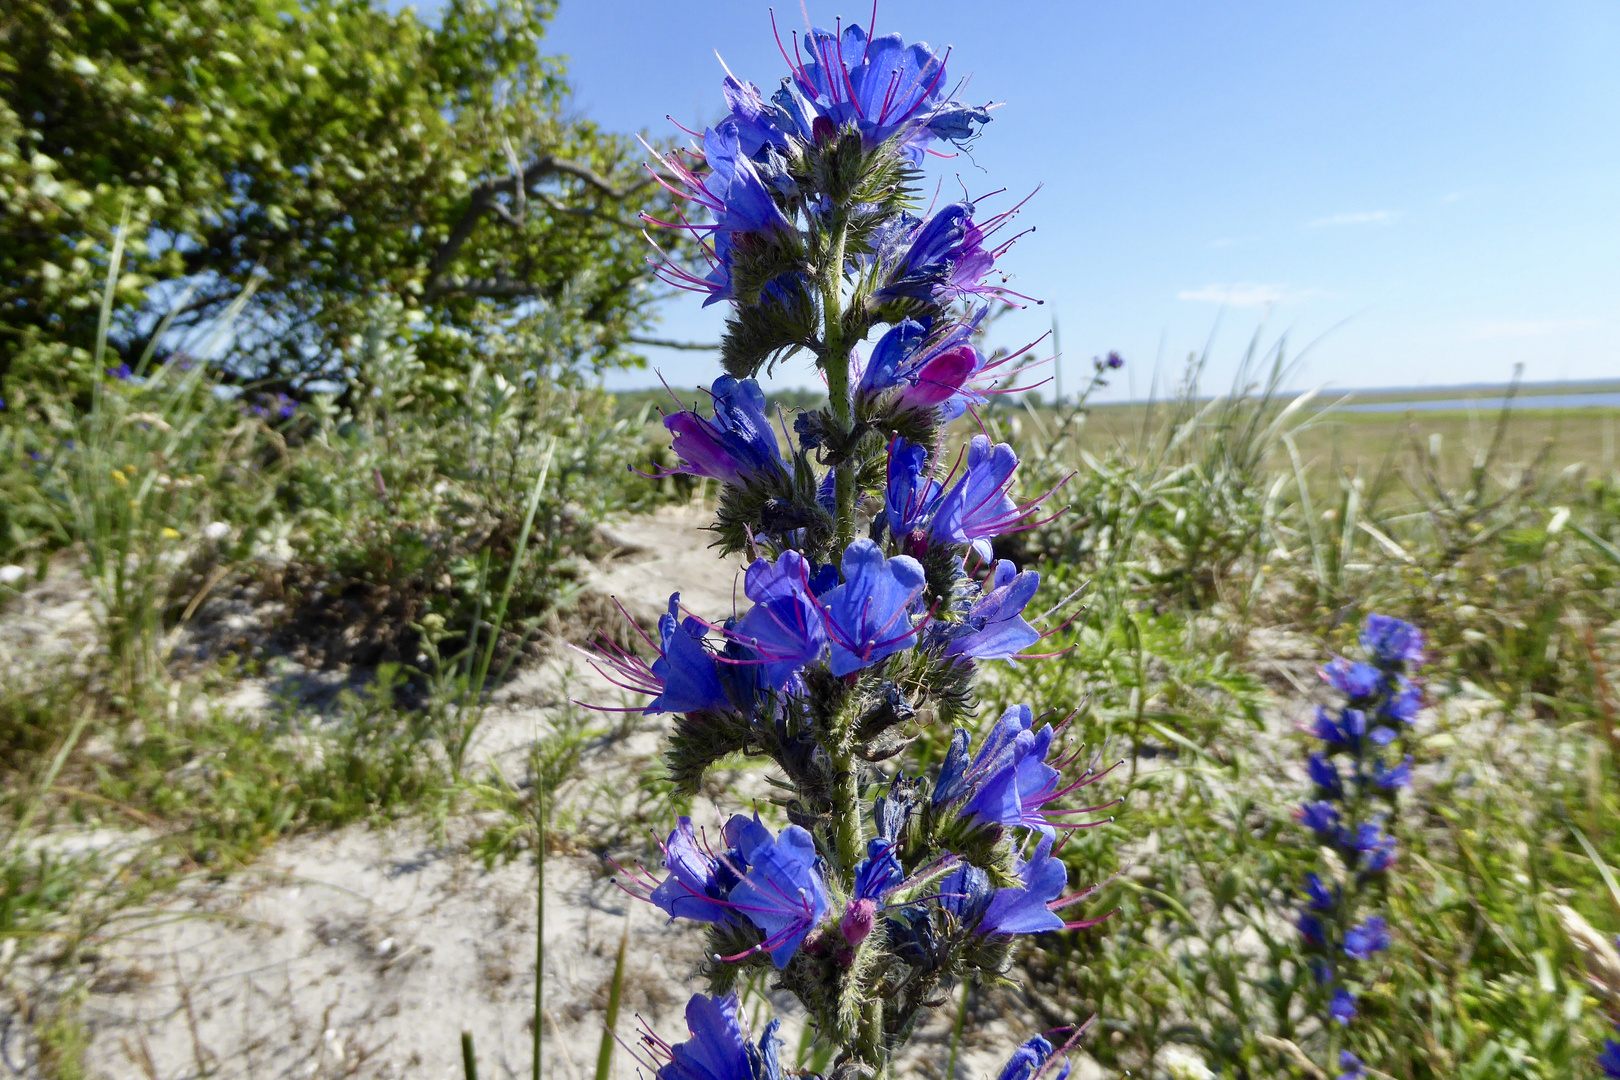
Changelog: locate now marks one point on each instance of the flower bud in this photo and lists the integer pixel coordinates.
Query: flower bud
(857, 920)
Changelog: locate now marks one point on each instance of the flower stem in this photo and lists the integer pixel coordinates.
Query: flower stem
(835, 362)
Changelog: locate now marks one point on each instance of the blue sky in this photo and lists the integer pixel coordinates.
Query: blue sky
(1430, 192)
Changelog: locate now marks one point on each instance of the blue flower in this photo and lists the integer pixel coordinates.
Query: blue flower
(735, 446)
(1029, 1059)
(977, 507)
(737, 196)
(718, 1048)
(1022, 909)
(890, 360)
(783, 893)
(685, 669)
(1321, 818)
(965, 893)
(1352, 1066)
(1404, 702)
(1008, 782)
(1321, 897)
(1343, 1006)
(931, 370)
(994, 627)
(879, 872)
(877, 876)
(1393, 778)
(1354, 680)
(1327, 728)
(121, 372)
(692, 890)
(912, 494)
(869, 615)
(1370, 937)
(1392, 642)
(785, 627)
(1310, 928)
(1609, 1060)
(758, 125)
(1325, 775)
(886, 88)
(1376, 850)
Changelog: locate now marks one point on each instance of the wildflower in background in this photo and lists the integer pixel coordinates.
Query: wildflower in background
(1355, 787)
(122, 373)
(1367, 938)
(1392, 642)
(735, 446)
(216, 531)
(1352, 1066)
(11, 574)
(1113, 362)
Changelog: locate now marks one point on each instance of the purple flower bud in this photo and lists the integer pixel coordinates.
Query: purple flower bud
(1343, 1006)
(857, 921)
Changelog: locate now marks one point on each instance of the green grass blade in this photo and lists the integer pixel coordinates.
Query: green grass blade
(610, 1022)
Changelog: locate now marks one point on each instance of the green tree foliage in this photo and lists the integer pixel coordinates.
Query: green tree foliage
(328, 148)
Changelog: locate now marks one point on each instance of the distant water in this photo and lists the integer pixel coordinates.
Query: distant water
(1608, 398)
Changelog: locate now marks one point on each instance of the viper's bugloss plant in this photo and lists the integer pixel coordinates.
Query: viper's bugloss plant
(1357, 773)
(874, 590)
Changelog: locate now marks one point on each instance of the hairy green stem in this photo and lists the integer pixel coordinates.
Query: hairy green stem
(846, 810)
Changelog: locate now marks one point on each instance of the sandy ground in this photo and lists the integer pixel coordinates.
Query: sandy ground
(369, 952)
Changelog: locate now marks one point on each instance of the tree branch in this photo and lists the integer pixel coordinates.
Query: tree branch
(481, 200)
(665, 343)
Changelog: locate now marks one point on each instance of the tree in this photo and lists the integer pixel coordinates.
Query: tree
(330, 152)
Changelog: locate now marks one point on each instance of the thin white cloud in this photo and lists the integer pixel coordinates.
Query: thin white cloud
(1509, 329)
(1454, 196)
(1364, 217)
(1243, 294)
